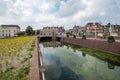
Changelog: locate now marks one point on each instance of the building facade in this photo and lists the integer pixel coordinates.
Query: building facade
(104, 30)
(9, 30)
(52, 31)
(111, 29)
(95, 30)
(77, 30)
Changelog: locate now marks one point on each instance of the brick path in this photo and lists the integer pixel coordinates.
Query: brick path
(117, 40)
(34, 69)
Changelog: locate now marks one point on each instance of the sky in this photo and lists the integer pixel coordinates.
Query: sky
(67, 13)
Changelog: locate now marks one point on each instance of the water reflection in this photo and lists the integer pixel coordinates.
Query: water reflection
(111, 66)
(109, 58)
(68, 63)
(55, 70)
(51, 44)
(83, 54)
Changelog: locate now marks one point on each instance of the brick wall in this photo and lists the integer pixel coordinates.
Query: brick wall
(100, 45)
(117, 38)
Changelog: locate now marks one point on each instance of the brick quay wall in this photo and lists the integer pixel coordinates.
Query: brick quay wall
(113, 48)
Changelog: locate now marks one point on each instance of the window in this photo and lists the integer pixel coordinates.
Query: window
(3, 31)
(2, 34)
(9, 34)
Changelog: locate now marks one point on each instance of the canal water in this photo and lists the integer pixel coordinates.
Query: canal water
(63, 62)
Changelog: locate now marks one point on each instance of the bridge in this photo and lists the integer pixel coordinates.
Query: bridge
(49, 38)
(50, 35)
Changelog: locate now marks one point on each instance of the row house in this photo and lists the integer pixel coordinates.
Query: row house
(77, 30)
(92, 29)
(52, 31)
(111, 29)
(104, 30)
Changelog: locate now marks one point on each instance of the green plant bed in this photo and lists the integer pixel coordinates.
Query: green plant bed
(111, 39)
(68, 35)
(74, 36)
(83, 37)
(16, 64)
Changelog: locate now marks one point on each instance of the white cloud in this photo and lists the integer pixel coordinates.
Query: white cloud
(70, 8)
(118, 3)
(67, 13)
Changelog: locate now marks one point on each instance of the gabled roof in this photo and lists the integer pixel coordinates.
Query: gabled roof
(112, 25)
(10, 26)
(91, 24)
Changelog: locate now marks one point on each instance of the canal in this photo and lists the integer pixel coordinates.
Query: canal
(67, 62)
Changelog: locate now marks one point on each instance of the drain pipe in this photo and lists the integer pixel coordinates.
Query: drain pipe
(42, 68)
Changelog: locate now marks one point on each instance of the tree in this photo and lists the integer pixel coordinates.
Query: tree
(29, 31)
(38, 32)
(83, 36)
(21, 33)
(68, 33)
(74, 36)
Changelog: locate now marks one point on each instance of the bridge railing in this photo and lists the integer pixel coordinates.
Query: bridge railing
(50, 35)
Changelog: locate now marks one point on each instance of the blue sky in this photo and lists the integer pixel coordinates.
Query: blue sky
(67, 13)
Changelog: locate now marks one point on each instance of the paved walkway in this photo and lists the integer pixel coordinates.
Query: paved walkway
(34, 69)
(98, 39)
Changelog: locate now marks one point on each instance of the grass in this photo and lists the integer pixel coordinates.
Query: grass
(15, 55)
(97, 53)
(100, 54)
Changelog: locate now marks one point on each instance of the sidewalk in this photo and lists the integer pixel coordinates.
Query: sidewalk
(35, 73)
(98, 39)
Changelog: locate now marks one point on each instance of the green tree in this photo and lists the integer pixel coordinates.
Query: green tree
(38, 32)
(29, 30)
(111, 39)
(22, 33)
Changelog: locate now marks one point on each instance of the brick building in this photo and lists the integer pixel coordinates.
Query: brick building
(111, 29)
(77, 30)
(52, 31)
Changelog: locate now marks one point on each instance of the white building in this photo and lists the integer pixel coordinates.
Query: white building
(9, 30)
